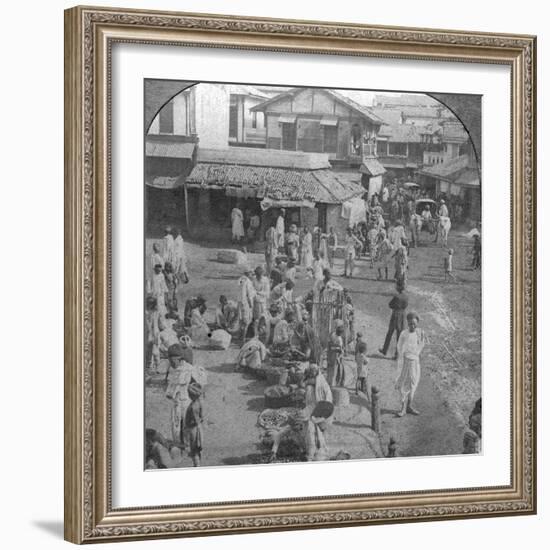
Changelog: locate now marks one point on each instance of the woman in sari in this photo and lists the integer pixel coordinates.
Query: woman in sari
(409, 347)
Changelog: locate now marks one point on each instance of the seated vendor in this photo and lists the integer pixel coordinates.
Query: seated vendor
(282, 332)
(252, 354)
(227, 315)
(317, 388)
(283, 293)
(308, 431)
(302, 341)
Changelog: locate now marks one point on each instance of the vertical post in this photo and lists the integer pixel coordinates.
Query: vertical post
(375, 410)
(186, 201)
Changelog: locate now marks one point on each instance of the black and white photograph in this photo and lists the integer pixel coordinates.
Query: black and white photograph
(312, 274)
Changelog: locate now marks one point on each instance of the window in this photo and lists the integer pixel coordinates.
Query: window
(166, 119)
(254, 119)
(233, 117)
(398, 149)
(382, 148)
(330, 139)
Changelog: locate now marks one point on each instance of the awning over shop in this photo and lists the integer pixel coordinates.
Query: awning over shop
(165, 182)
(329, 121)
(169, 149)
(289, 119)
(372, 167)
(268, 203)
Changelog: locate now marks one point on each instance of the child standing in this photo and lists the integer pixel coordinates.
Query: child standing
(448, 264)
(361, 361)
(193, 423)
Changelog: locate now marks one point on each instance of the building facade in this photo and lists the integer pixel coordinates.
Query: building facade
(322, 121)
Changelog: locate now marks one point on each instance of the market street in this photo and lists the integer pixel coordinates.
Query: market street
(451, 375)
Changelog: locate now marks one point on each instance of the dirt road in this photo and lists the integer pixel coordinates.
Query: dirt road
(450, 314)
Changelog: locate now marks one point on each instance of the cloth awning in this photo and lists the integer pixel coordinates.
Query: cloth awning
(329, 121)
(289, 119)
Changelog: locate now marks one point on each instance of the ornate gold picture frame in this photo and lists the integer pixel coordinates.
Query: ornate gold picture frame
(90, 34)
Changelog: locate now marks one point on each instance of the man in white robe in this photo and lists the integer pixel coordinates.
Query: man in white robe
(409, 347)
(280, 229)
(168, 246)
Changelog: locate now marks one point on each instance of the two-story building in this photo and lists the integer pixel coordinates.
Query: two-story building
(320, 120)
(246, 128)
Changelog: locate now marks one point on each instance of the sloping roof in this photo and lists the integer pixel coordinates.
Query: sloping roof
(169, 148)
(241, 89)
(388, 115)
(164, 182)
(401, 133)
(461, 170)
(321, 185)
(361, 109)
(274, 158)
(372, 167)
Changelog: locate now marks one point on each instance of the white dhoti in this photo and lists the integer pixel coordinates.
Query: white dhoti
(410, 376)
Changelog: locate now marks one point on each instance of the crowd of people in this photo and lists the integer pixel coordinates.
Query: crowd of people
(269, 320)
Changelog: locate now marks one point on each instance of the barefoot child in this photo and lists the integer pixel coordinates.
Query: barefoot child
(193, 423)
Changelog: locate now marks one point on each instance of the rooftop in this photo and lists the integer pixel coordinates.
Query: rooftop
(273, 174)
(461, 170)
(352, 104)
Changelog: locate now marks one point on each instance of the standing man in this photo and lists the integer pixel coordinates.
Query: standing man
(398, 304)
(271, 248)
(332, 242)
(168, 246)
(246, 301)
(237, 225)
(261, 296)
(409, 347)
(335, 358)
(280, 229)
(443, 210)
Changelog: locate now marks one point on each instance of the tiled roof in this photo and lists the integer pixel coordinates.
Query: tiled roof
(321, 185)
(274, 158)
(401, 133)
